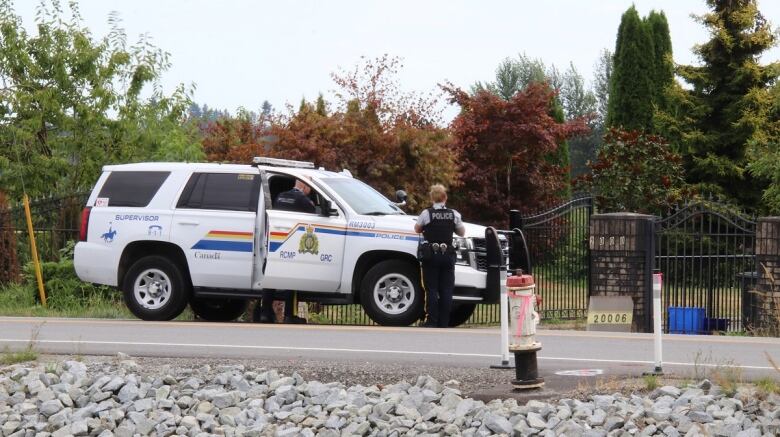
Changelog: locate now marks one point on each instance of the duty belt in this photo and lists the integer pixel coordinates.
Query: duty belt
(439, 247)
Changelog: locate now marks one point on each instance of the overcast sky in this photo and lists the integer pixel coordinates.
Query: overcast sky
(239, 53)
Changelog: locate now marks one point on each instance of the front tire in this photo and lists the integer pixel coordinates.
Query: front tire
(391, 293)
(155, 289)
(218, 310)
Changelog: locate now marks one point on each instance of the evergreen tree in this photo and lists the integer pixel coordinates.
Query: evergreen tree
(728, 103)
(602, 79)
(631, 88)
(663, 68)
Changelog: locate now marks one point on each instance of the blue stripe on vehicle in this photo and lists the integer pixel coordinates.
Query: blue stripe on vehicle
(330, 231)
(361, 234)
(275, 245)
(228, 246)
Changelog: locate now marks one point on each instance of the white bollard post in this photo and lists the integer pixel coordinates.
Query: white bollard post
(657, 317)
(504, 308)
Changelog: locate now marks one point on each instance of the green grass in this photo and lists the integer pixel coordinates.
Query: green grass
(8, 357)
(20, 301)
(767, 385)
(651, 382)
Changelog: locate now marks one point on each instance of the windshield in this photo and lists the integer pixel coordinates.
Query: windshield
(361, 197)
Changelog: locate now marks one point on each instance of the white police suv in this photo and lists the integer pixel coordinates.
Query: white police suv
(207, 235)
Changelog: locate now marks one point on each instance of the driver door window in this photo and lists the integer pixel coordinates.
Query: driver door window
(278, 184)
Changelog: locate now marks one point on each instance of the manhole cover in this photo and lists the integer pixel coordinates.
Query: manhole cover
(580, 372)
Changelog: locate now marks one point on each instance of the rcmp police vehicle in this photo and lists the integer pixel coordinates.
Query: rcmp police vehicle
(207, 235)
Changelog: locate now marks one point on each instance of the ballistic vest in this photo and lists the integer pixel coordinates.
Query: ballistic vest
(441, 227)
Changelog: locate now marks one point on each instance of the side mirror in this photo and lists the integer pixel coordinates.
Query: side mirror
(327, 209)
(401, 196)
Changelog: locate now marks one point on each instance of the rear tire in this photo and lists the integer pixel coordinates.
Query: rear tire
(461, 312)
(218, 310)
(155, 288)
(391, 293)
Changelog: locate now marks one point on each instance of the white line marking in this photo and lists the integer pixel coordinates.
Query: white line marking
(243, 346)
(671, 363)
(376, 351)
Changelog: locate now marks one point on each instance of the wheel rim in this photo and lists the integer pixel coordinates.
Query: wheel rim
(394, 293)
(152, 289)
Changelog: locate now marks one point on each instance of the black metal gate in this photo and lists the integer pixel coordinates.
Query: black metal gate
(558, 244)
(704, 251)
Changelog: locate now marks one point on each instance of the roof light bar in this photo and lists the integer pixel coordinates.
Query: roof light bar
(276, 162)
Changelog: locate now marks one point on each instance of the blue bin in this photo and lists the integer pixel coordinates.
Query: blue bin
(686, 320)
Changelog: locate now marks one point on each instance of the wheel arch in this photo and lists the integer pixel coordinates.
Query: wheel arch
(370, 259)
(139, 249)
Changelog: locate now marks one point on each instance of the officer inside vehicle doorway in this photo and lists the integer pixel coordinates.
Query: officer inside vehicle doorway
(437, 254)
(296, 200)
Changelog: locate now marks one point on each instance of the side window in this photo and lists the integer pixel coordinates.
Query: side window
(222, 191)
(132, 188)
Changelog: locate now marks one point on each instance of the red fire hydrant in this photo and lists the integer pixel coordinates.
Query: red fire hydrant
(521, 291)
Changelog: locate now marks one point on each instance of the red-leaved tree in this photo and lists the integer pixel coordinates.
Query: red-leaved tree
(504, 145)
(386, 138)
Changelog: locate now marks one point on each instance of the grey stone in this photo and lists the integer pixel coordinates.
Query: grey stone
(570, 428)
(660, 413)
(465, 407)
(189, 422)
(10, 426)
(598, 418)
(128, 393)
(224, 400)
(669, 390)
(144, 404)
(114, 384)
(603, 401)
(700, 417)
(49, 408)
(280, 382)
(79, 427)
(287, 393)
(614, 422)
(535, 420)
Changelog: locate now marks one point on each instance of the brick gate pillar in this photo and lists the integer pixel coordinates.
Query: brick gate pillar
(622, 247)
(765, 311)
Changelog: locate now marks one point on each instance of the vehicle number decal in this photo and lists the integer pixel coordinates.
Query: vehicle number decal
(362, 225)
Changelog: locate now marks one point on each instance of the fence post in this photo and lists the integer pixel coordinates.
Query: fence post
(767, 299)
(622, 253)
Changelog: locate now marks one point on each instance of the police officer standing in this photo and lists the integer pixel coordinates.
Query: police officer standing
(297, 200)
(437, 224)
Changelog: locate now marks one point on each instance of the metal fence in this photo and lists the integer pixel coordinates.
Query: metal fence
(558, 244)
(706, 253)
(484, 315)
(55, 222)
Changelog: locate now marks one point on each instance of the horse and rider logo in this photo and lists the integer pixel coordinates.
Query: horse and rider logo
(309, 243)
(108, 237)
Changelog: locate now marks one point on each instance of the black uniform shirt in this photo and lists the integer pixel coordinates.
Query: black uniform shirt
(294, 200)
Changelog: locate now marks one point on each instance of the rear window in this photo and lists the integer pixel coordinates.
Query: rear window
(224, 191)
(132, 188)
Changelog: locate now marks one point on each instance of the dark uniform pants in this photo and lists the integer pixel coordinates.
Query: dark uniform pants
(439, 281)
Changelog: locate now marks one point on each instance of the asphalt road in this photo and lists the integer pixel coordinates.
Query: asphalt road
(611, 353)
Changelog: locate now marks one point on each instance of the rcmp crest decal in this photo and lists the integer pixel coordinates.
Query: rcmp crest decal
(309, 243)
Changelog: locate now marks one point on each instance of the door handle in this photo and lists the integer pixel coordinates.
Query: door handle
(188, 222)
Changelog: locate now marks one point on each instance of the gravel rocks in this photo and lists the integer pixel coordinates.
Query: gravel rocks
(125, 398)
